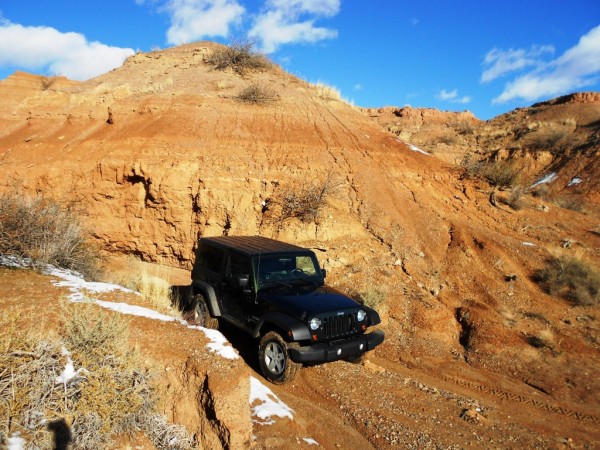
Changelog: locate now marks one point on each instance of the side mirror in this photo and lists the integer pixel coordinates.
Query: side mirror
(324, 273)
(243, 281)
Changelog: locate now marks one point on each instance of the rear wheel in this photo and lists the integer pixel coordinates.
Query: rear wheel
(274, 358)
(199, 314)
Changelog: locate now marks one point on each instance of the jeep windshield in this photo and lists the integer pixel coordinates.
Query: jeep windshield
(287, 270)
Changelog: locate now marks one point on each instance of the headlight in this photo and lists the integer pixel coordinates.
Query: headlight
(315, 323)
(360, 316)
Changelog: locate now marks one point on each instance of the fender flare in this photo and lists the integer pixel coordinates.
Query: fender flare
(201, 287)
(292, 328)
(373, 315)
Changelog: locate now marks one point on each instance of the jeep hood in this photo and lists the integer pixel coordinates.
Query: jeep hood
(310, 300)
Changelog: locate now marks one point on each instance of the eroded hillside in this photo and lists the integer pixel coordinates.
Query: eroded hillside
(183, 157)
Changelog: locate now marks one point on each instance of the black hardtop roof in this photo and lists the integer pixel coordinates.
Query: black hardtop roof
(253, 245)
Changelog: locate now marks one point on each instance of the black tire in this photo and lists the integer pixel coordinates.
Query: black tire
(199, 314)
(274, 359)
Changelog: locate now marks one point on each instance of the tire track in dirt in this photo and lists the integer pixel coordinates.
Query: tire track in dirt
(524, 400)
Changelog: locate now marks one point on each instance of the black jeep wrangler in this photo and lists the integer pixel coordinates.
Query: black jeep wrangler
(276, 292)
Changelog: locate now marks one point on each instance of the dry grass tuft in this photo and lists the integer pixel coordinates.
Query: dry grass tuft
(327, 93)
(150, 282)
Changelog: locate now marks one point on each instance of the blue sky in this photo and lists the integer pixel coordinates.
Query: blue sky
(488, 57)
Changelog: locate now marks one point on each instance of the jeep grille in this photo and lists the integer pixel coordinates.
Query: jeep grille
(340, 326)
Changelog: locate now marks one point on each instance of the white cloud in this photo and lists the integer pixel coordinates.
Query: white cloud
(47, 49)
(577, 68)
(358, 87)
(501, 62)
(293, 21)
(452, 96)
(193, 20)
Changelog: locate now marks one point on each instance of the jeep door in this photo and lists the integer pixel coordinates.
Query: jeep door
(236, 287)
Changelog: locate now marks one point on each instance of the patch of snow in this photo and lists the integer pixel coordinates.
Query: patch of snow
(310, 441)
(218, 342)
(547, 179)
(528, 244)
(13, 261)
(69, 374)
(16, 442)
(269, 404)
(414, 148)
(133, 310)
(574, 181)
(75, 282)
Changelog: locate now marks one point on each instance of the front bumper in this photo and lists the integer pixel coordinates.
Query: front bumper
(333, 351)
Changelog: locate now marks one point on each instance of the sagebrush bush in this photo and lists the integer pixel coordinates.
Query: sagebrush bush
(111, 395)
(45, 232)
(497, 173)
(306, 201)
(240, 57)
(571, 278)
(257, 94)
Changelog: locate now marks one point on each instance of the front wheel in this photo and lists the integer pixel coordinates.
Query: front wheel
(275, 362)
(199, 314)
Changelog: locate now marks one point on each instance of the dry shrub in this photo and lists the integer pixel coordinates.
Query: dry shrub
(470, 166)
(515, 200)
(572, 279)
(463, 127)
(571, 202)
(548, 139)
(373, 297)
(94, 334)
(306, 201)
(45, 232)
(240, 57)
(447, 139)
(111, 395)
(257, 94)
(497, 173)
(541, 191)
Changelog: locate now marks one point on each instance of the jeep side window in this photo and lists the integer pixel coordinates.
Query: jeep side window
(211, 258)
(239, 266)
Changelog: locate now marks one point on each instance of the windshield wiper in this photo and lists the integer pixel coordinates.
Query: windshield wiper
(308, 280)
(273, 283)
